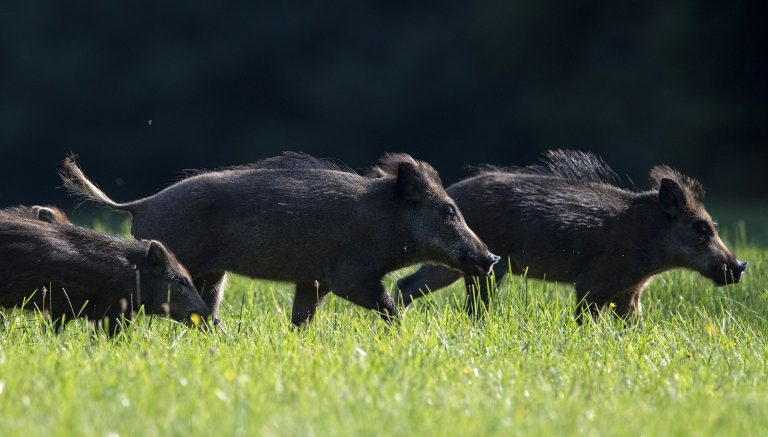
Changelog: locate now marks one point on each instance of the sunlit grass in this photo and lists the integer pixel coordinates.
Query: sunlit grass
(695, 365)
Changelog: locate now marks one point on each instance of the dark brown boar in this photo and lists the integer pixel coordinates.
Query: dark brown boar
(70, 272)
(299, 219)
(48, 213)
(569, 220)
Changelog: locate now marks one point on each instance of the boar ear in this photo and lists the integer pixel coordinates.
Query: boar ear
(45, 214)
(672, 197)
(411, 184)
(157, 257)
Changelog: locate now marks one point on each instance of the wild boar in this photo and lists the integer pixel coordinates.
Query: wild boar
(69, 272)
(295, 218)
(570, 220)
(50, 214)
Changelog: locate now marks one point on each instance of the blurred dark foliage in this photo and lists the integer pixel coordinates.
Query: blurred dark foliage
(681, 82)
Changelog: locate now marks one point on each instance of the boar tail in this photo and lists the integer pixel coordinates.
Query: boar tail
(79, 185)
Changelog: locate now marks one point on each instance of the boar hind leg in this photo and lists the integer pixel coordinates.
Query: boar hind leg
(427, 279)
(309, 296)
(628, 305)
(374, 296)
(211, 289)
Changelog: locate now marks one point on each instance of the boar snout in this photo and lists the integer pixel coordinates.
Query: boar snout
(730, 273)
(492, 260)
(738, 272)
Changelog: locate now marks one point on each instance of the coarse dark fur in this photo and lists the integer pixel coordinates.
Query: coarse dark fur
(70, 271)
(48, 213)
(300, 219)
(569, 220)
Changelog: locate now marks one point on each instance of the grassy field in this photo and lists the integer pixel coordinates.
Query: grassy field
(696, 365)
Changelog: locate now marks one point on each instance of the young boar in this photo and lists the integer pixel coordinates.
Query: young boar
(50, 214)
(295, 218)
(70, 272)
(569, 220)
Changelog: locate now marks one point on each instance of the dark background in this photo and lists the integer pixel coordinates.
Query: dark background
(451, 82)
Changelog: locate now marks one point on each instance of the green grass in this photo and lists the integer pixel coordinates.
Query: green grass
(696, 365)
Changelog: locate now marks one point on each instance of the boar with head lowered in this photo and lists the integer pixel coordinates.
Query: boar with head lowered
(70, 272)
(568, 219)
(299, 219)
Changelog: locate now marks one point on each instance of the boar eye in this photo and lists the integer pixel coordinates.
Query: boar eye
(184, 282)
(449, 212)
(702, 228)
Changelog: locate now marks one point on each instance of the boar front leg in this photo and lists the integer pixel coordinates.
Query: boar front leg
(59, 323)
(114, 322)
(372, 295)
(309, 296)
(424, 281)
(479, 289)
(211, 289)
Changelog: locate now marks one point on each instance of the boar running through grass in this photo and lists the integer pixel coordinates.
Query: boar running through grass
(50, 214)
(569, 220)
(71, 272)
(295, 218)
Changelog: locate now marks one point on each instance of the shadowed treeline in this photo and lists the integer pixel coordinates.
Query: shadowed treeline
(453, 83)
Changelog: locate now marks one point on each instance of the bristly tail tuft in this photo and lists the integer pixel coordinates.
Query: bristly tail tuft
(79, 185)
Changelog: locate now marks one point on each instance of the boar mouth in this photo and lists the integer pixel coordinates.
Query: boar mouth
(201, 320)
(726, 275)
(480, 266)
